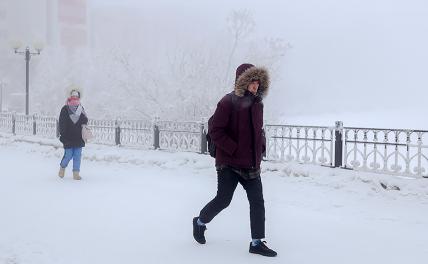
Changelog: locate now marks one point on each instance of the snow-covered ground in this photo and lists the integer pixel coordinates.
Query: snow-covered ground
(136, 206)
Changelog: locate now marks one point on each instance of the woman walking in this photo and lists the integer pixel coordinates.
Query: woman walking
(71, 120)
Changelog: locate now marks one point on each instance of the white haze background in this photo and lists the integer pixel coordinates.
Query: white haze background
(363, 62)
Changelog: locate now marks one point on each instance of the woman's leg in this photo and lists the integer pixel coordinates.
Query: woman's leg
(77, 157)
(68, 155)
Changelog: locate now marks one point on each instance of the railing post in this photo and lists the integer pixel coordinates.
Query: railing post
(13, 124)
(265, 142)
(156, 134)
(419, 146)
(338, 144)
(57, 128)
(34, 125)
(203, 137)
(117, 133)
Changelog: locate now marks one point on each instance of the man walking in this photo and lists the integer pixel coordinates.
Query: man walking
(236, 129)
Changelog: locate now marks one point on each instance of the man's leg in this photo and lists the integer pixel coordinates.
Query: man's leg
(254, 191)
(227, 180)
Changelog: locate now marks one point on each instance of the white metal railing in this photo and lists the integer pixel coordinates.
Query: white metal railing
(303, 144)
(389, 151)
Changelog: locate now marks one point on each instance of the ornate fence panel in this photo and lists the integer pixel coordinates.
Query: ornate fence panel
(46, 126)
(391, 151)
(183, 136)
(6, 122)
(104, 131)
(304, 144)
(135, 133)
(24, 125)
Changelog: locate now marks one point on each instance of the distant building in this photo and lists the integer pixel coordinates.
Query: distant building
(52, 23)
(55, 23)
(67, 23)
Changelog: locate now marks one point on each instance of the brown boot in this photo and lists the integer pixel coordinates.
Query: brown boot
(61, 172)
(76, 175)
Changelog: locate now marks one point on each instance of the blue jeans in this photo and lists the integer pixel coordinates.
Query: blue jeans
(72, 153)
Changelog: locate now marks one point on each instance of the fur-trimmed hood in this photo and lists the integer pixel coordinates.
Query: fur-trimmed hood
(253, 73)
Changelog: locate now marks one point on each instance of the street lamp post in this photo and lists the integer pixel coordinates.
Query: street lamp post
(27, 53)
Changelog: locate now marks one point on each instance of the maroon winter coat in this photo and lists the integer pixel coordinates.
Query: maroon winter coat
(237, 125)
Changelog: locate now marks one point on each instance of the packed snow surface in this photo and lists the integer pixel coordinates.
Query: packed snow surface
(136, 206)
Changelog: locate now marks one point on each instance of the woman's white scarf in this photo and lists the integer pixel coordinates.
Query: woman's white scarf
(75, 113)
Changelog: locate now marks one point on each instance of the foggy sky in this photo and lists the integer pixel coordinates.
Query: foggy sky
(346, 55)
(351, 55)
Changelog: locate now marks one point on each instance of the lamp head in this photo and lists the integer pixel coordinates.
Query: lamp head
(16, 45)
(38, 46)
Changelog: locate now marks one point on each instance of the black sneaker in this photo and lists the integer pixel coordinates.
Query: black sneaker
(198, 231)
(262, 249)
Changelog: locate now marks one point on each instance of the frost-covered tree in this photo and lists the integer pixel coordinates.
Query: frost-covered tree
(240, 24)
(56, 71)
(133, 78)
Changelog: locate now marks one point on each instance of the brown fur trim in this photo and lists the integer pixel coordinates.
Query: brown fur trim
(253, 73)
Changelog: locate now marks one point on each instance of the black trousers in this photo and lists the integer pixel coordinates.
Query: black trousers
(227, 182)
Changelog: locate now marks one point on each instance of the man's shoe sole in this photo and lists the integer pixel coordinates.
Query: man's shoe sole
(261, 253)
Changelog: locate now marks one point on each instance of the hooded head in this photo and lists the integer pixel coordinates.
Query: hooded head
(73, 98)
(75, 93)
(73, 90)
(246, 73)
